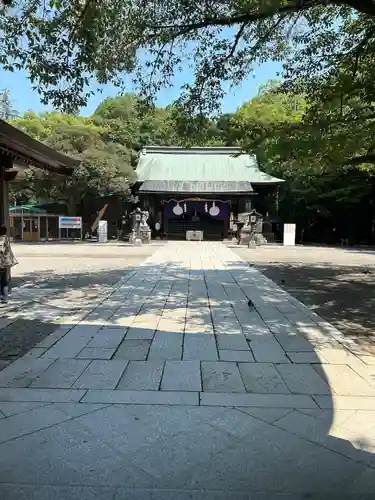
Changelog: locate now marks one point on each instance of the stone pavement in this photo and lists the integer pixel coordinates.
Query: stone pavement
(171, 387)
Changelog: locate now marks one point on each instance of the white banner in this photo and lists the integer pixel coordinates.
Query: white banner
(102, 231)
(289, 234)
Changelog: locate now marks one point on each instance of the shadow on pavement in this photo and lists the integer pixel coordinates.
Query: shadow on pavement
(140, 452)
(344, 296)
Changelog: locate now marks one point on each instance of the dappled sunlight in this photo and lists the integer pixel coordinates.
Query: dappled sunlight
(181, 370)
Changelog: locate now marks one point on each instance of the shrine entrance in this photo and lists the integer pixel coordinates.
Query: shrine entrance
(195, 214)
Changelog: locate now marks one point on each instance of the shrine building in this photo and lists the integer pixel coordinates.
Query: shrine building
(19, 151)
(202, 189)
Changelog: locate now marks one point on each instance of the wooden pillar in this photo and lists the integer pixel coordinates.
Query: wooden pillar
(2, 191)
(6, 163)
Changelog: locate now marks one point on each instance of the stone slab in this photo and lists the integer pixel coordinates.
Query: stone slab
(42, 395)
(35, 352)
(200, 346)
(181, 494)
(54, 337)
(294, 343)
(252, 323)
(345, 402)
(270, 415)
(367, 359)
(166, 346)
(181, 376)
(306, 357)
(74, 410)
(23, 372)
(52, 492)
(133, 350)
(221, 377)
(346, 382)
(262, 378)
(68, 347)
(96, 353)
(140, 333)
(109, 338)
(232, 341)
(61, 374)
(32, 421)
(337, 355)
(142, 376)
(9, 409)
(266, 349)
(170, 325)
(101, 375)
(257, 400)
(240, 356)
(142, 397)
(303, 379)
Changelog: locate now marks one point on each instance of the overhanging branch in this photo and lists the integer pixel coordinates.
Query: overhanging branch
(357, 160)
(291, 7)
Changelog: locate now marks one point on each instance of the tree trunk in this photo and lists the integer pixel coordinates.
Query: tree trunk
(71, 206)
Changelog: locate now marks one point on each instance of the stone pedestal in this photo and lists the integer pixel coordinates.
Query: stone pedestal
(145, 235)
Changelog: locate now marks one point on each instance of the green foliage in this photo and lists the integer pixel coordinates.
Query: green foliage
(105, 165)
(64, 43)
(319, 149)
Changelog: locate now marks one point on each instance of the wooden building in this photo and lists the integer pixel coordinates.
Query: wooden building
(17, 151)
(201, 189)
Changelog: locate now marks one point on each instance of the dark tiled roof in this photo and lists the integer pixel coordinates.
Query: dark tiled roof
(26, 150)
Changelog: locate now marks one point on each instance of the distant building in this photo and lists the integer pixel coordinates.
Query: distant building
(201, 189)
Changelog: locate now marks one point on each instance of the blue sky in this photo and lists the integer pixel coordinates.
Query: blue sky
(24, 98)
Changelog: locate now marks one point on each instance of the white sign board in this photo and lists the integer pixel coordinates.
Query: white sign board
(103, 231)
(70, 222)
(289, 234)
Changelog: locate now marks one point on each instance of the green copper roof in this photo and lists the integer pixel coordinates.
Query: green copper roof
(217, 169)
(30, 208)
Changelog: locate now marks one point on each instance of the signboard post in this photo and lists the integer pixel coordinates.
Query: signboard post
(103, 231)
(70, 223)
(289, 234)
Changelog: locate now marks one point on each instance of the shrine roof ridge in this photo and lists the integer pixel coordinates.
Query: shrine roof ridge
(200, 150)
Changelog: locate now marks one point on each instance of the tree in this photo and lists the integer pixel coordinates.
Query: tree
(105, 166)
(63, 43)
(135, 124)
(312, 148)
(131, 122)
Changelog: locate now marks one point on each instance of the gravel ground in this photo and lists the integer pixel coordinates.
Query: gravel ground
(339, 284)
(75, 265)
(78, 273)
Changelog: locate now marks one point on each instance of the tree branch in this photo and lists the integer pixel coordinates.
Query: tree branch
(243, 18)
(236, 42)
(357, 160)
(364, 6)
(292, 6)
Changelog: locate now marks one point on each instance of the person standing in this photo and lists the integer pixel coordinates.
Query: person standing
(7, 260)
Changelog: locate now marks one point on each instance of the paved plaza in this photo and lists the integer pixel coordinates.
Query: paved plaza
(165, 384)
